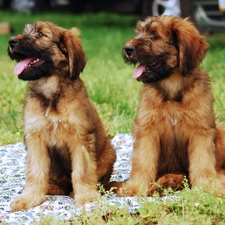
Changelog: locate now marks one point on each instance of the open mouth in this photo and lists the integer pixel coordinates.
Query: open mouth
(27, 63)
(142, 68)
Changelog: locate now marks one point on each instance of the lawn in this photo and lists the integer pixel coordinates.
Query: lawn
(115, 94)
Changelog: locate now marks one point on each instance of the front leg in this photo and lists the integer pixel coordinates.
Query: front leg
(202, 161)
(38, 163)
(84, 175)
(144, 165)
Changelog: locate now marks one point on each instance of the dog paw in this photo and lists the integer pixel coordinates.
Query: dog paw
(81, 199)
(128, 190)
(23, 203)
(173, 181)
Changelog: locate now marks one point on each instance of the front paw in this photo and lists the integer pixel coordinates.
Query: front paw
(81, 199)
(23, 203)
(127, 190)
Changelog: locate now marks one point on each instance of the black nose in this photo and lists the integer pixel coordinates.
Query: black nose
(129, 50)
(13, 42)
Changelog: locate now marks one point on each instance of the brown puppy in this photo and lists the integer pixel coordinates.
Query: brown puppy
(67, 146)
(174, 130)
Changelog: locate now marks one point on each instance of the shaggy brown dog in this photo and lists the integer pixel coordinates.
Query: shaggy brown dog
(174, 130)
(67, 146)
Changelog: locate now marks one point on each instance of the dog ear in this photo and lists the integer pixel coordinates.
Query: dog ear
(72, 47)
(191, 45)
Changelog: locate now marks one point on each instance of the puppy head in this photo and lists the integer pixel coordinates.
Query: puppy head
(162, 45)
(44, 49)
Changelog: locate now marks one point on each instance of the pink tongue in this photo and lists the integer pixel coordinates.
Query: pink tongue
(139, 71)
(21, 66)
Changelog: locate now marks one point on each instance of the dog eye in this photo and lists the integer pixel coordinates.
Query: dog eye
(40, 34)
(154, 36)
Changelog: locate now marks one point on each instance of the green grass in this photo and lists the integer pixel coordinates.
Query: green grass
(115, 95)
(189, 207)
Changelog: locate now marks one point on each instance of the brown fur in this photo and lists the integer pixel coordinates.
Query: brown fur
(64, 135)
(174, 129)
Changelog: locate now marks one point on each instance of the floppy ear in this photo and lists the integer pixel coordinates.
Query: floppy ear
(191, 45)
(72, 47)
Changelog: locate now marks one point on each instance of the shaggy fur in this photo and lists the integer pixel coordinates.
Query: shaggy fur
(68, 150)
(174, 130)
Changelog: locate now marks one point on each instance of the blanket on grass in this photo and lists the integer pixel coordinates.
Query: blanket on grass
(12, 180)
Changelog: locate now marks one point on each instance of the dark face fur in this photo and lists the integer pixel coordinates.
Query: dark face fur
(163, 45)
(45, 49)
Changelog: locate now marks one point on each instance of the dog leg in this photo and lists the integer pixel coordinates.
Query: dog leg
(105, 165)
(202, 163)
(38, 163)
(84, 177)
(220, 150)
(144, 166)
